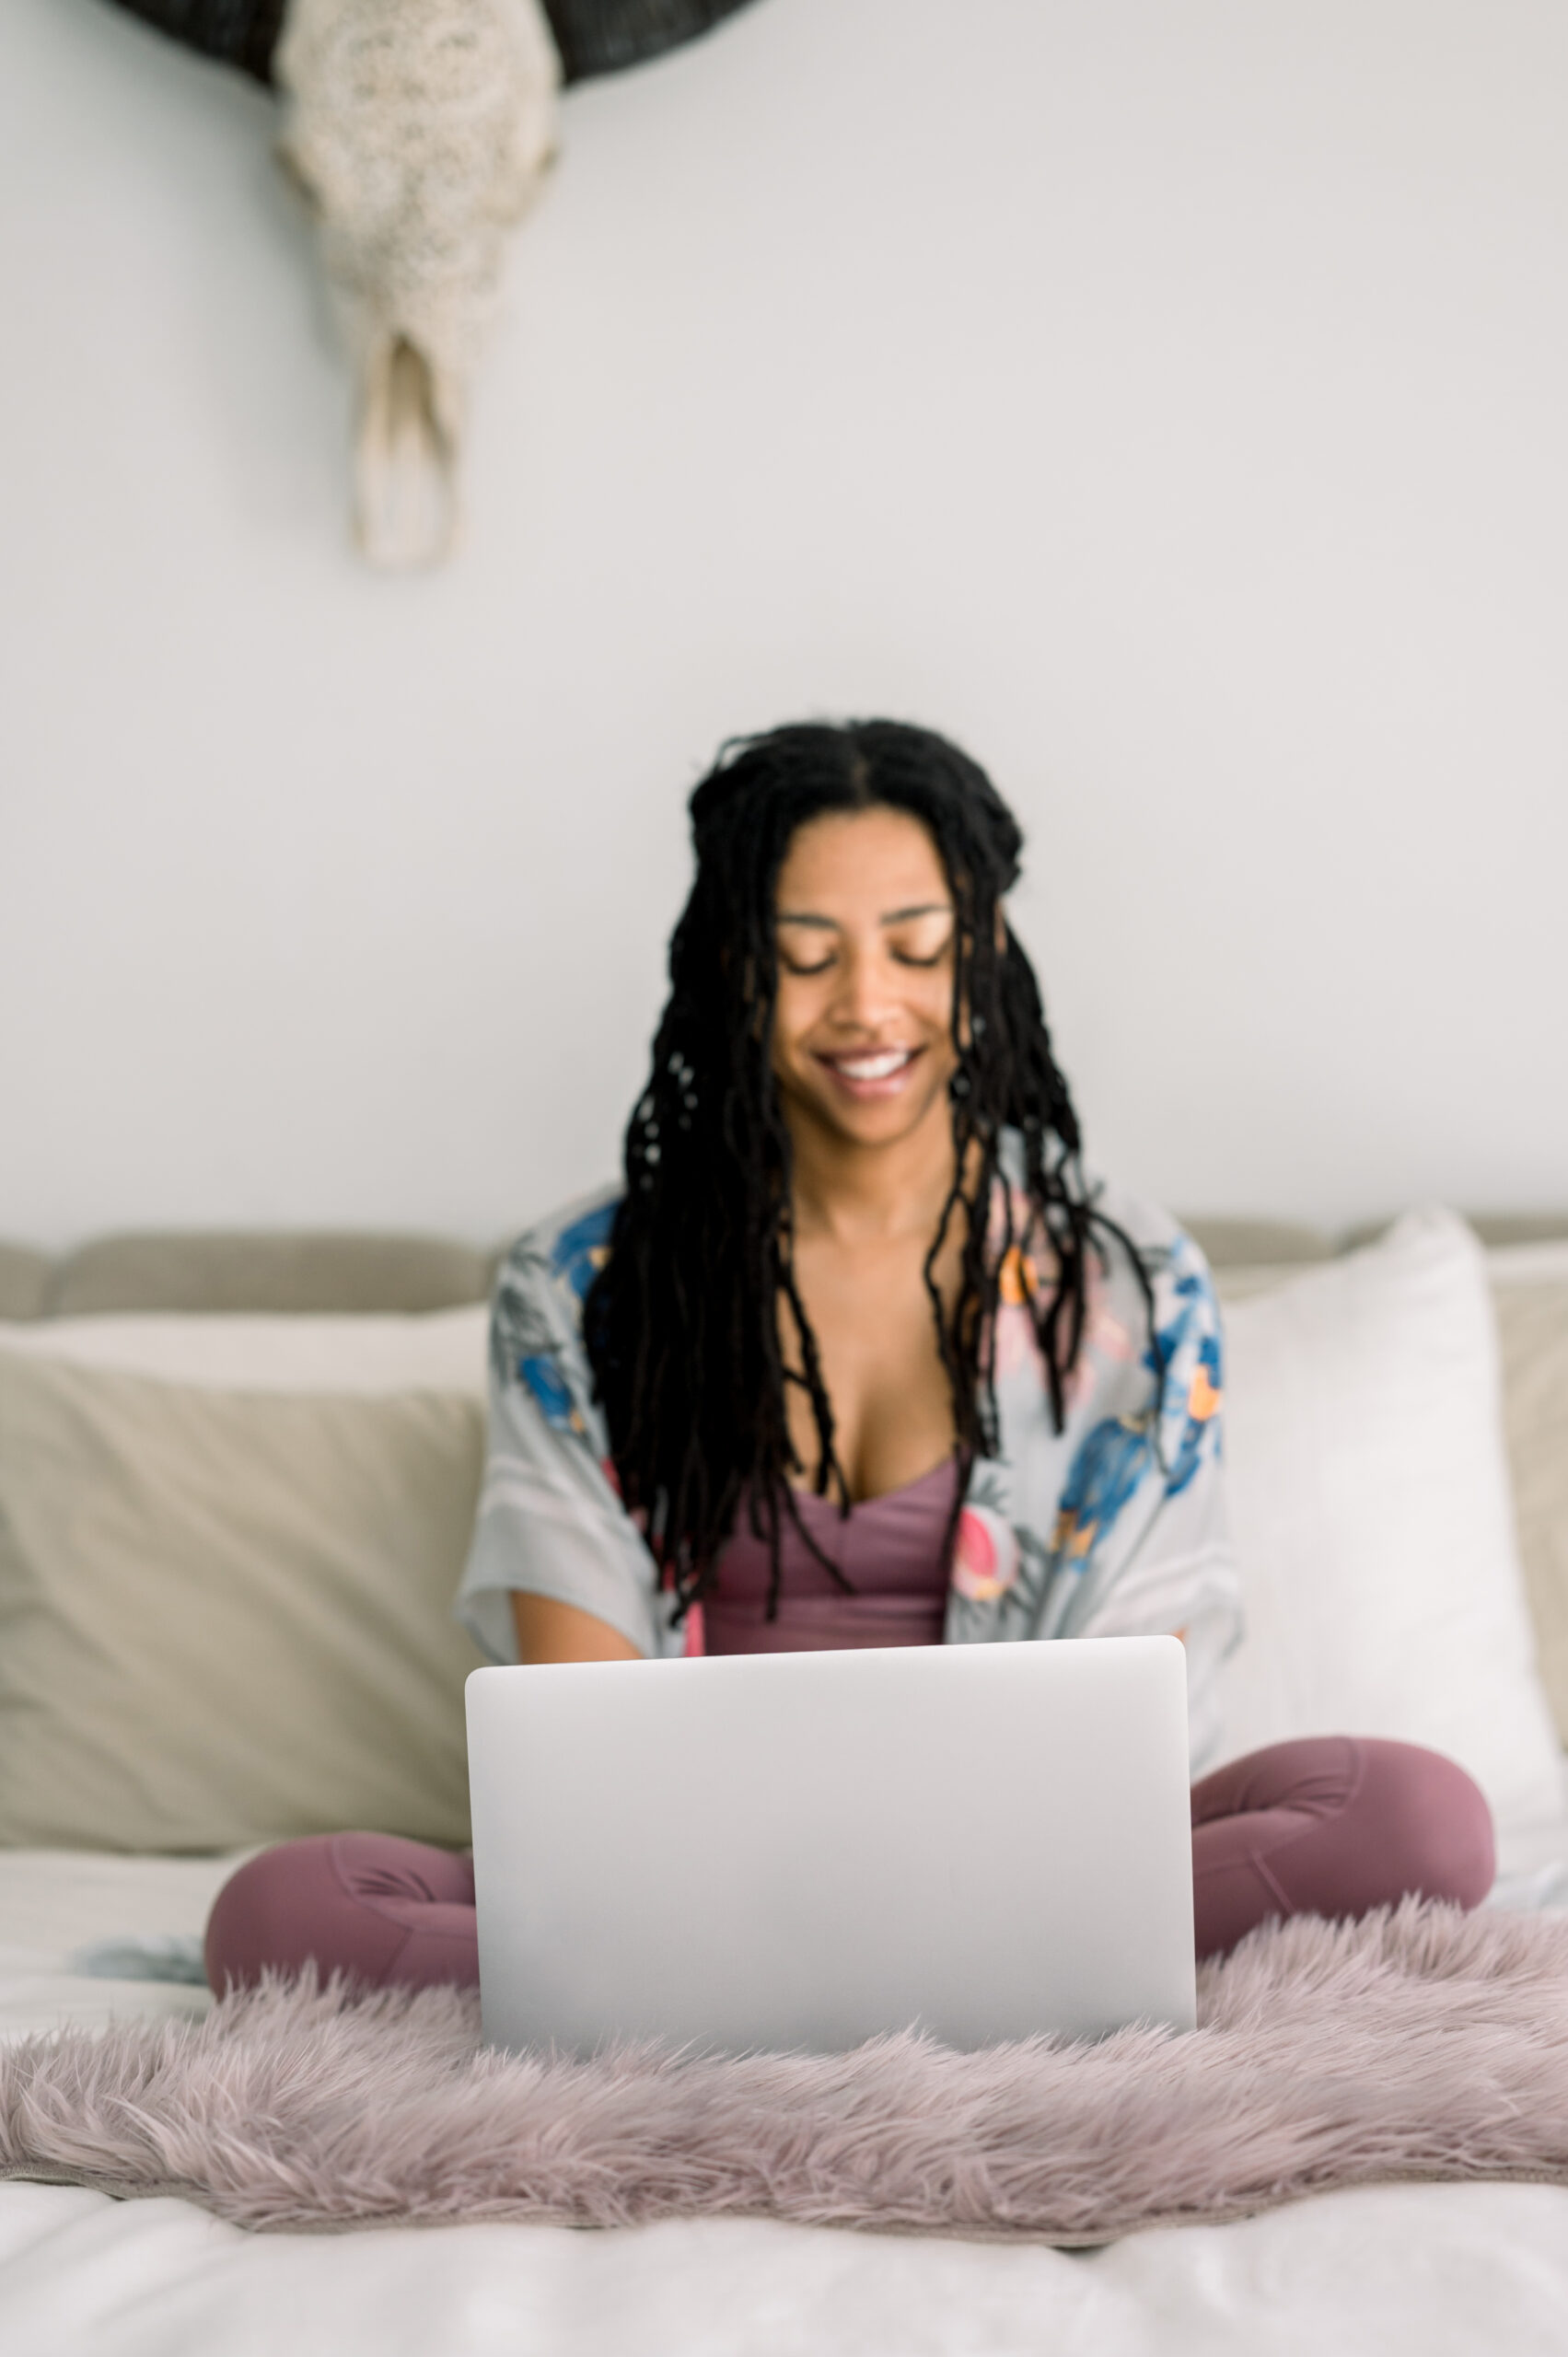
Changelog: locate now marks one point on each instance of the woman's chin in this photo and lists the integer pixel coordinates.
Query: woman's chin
(878, 1122)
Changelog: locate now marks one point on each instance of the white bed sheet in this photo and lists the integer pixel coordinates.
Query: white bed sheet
(55, 1903)
(1394, 2268)
(1442, 2270)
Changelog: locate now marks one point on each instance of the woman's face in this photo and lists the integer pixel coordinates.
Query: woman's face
(863, 1038)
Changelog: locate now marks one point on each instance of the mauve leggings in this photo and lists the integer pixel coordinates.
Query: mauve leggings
(1331, 1825)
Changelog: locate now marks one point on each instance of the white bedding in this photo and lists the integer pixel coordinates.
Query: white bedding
(1433, 2269)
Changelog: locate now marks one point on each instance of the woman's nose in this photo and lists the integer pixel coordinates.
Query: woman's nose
(865, 994)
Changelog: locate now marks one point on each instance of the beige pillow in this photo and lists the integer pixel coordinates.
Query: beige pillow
(1532, 1325)
(225, 1616)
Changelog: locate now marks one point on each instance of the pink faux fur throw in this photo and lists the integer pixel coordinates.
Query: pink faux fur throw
(1420, 2044)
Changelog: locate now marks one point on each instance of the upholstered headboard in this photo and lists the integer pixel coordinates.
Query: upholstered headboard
(235, 1272)
(353, 1272)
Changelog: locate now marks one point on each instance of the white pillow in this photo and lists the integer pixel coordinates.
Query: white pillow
(441, 1351)
(1373, 1522)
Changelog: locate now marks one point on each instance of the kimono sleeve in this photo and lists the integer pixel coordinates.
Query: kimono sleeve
(1175, 1571)
(550, 1523)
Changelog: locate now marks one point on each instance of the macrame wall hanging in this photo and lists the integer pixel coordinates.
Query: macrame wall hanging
(420, 131)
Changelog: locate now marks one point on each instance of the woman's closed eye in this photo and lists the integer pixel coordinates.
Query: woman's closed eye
(927, 942)
(917, 937)
(900, 958)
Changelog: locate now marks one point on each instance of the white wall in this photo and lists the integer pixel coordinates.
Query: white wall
(1171, 403)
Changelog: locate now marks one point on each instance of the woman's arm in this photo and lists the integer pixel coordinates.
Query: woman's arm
(551, 1632)
(557, 1570)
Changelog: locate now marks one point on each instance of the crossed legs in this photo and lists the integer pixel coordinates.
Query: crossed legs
(1330, 1825)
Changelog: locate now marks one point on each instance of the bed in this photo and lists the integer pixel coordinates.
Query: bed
(1398, 1441)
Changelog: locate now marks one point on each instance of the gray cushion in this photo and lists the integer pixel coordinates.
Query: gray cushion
(1493, 1228)
(1496, 1228)
(1258, 1243)
(348, 1272)
(320, 1274)
(24, 1281)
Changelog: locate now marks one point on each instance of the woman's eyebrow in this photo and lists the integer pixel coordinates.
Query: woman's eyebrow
(894, 916)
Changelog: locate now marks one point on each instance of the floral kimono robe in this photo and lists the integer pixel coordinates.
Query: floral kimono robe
(1113, 1526)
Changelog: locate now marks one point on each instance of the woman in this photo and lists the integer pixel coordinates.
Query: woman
(856, 1357)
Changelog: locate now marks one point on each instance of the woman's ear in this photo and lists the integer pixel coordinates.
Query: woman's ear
(1001, 931)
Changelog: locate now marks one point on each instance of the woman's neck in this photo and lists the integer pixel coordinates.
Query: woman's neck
(851, 1192)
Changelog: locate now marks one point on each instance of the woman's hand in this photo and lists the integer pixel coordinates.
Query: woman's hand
(551, 1632)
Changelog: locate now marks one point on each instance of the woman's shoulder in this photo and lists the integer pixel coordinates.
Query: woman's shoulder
(536, 1305)
(565, 1248)
(1127, 1225)
(1131, 1226)
(1148, 1225)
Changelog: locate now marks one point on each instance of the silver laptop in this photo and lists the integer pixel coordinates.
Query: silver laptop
(798, 1851)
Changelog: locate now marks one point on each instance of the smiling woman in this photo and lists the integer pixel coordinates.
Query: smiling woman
(855, 1356)
(854, 1138)
(864, 1058)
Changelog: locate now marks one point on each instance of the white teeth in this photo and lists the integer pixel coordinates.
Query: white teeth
(874, 1067)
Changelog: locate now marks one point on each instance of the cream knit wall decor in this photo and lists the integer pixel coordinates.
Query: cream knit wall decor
(420, 131)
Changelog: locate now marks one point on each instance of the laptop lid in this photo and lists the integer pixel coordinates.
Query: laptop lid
(798, 1850)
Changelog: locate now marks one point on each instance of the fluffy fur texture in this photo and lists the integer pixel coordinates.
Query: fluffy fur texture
(1424, 2043)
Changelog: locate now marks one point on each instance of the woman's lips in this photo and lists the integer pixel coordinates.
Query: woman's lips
(869, 1074)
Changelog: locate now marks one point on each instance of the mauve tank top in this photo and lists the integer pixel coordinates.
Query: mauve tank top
(890, 1548)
